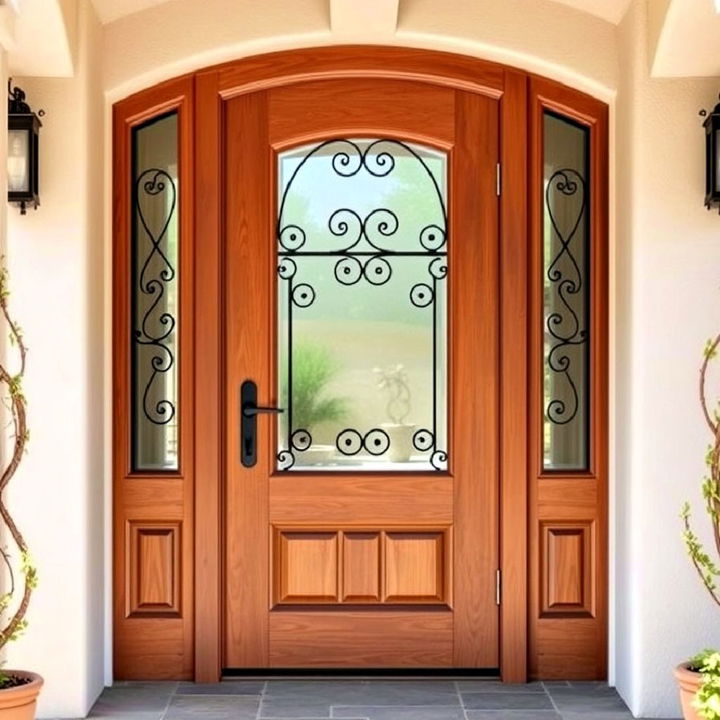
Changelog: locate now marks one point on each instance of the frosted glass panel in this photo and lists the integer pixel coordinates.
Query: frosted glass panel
(155, 296)
(17, 161)
(566, 290)
(362, 307)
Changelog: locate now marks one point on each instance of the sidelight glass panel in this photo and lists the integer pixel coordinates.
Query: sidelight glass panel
(154, 295)
(362, 306)
(566, 294)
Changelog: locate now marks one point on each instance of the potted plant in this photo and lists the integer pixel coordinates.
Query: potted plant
(699, 678)
(394, 381)
(18, 688)
(313, 368)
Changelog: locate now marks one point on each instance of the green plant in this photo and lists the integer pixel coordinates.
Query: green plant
(313, 368)
(707, 700)
(16, 406)
(706, 567)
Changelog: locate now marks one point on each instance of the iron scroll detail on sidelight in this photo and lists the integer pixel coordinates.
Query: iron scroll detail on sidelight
(564, 326)
(365, 248)
(156, 272)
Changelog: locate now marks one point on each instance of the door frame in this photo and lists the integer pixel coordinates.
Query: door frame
(198, 98)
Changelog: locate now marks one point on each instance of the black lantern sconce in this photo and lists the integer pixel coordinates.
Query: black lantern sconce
(22, 152)
(712, 156)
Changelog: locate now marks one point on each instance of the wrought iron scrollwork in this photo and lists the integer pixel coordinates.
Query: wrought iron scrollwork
(564, 324)
(363, 247)
(156, 325)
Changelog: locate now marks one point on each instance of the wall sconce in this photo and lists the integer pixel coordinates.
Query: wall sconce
(712, 156)
(22, 152)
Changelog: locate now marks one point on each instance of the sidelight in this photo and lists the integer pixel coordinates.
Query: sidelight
(362, 242)
(566, 294)
(154, 297)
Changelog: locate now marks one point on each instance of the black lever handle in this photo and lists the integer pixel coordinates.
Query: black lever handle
(249, 410)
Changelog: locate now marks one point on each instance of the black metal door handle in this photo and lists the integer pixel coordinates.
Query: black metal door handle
(249, 410)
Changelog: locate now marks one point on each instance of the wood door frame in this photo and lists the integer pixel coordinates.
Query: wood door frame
(205, 91)
(251, 74)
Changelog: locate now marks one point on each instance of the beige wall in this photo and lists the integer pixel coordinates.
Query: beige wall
(55, 256)
(183, 35)
(667, 304)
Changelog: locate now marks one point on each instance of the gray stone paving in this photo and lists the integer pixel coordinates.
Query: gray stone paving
(360, 699)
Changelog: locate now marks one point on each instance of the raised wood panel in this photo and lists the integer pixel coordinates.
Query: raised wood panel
(415, 567)
(154, 569)
(366, 106)
(306, 566)
(361, 567)
(567, 569)
(385, 639)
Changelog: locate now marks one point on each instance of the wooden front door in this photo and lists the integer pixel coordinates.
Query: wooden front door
(325, 223)
(361, 297)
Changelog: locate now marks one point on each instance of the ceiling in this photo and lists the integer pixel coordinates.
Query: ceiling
(687, 39)
(610, 10)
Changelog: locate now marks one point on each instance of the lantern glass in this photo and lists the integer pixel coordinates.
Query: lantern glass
(716, 163)
(18, 161)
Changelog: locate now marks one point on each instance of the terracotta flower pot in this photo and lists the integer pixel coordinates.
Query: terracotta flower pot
(19, 703)
(688, 682)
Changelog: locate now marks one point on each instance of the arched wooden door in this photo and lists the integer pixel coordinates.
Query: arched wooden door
(405, 252)
(361, 276)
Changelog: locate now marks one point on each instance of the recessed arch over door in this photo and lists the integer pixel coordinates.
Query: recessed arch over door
(171, 560)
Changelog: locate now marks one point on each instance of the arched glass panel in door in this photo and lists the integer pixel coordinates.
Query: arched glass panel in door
(362, 241)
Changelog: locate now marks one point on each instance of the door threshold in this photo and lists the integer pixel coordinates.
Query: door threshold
(360, 673)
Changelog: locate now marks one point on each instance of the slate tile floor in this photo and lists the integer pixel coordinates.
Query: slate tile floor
(360, 699)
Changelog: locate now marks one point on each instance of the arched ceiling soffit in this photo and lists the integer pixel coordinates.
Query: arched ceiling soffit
(147, 41)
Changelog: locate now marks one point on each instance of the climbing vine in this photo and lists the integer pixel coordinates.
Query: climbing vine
(705, 565)
(13, 624)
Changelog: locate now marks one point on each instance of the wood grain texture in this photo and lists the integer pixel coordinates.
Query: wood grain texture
(416, 567)
(305, 567)
(375, 498)
(382, 639)
(362, 566)
(474, 358)
(561, 644)
(249, 286)
(154, 575)
(365, 107)
(175, 648)
(158, 646)
(208, 379)
(360, 61)
(513, 371)
(566, 567)
(422, 508)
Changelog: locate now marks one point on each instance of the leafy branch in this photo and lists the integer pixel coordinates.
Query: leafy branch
(706, 567)
(17, 407)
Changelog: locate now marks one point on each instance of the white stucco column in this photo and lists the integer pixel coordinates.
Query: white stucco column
(55, 257)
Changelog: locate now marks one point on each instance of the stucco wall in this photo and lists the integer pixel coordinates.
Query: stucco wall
(183, 35)
(55, 260)
(668, 300)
